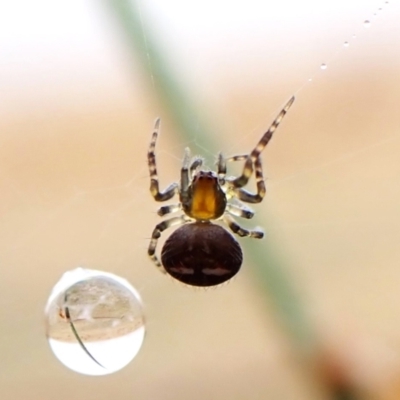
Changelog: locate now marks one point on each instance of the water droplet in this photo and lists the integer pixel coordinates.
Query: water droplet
(354, 36)
(367, 24)
(94, 322)
(324, 66)
(380, 9)
(346, 44)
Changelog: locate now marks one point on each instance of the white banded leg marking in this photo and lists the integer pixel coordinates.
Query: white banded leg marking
(170, 191)
(238, 230)
(161, 227)
(252, 157)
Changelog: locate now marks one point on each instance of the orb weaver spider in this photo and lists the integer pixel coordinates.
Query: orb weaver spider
(200, 252)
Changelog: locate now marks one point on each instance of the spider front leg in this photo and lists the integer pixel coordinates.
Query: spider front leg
(236, 228)
(221, 169)
(255, 153)
(161, 227)
(186, 170)
(248, 197)
(221, 165)
(172, 189)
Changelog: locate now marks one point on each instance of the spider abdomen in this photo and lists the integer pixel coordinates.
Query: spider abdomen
(201, 254)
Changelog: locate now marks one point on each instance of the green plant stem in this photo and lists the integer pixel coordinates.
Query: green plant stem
(177, 101)
(270, 269)
(144, 48)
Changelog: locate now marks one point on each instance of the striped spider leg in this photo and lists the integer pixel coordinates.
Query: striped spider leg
(252, 159)
(234, 186)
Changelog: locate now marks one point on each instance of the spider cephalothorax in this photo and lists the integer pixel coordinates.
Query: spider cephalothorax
(205, 199)
(201, 253)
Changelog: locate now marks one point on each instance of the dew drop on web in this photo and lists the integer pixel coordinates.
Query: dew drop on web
(94, 322)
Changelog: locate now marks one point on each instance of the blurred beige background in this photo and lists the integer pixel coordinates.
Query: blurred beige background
(76, 118)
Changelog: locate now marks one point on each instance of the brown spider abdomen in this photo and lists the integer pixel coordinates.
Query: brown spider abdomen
(201, 254)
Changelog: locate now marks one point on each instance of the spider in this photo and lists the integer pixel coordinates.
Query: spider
(200, 252)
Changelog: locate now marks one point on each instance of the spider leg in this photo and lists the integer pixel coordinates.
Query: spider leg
(196, 163)
(221, 165)
(248, 197)
(172, 189)
(239, 210)
(240, 157)
(242, 180)
(221, 169)
(236, 228)
(169, 209)
(159, 228)
(184, 187)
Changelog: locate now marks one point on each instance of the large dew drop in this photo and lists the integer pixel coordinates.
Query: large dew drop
(94, 322)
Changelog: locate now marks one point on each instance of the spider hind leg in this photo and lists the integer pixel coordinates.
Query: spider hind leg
(242, 232)
(159, 228)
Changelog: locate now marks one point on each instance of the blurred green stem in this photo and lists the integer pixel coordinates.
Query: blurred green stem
(143, 47)
(270, 268)
(177, 101)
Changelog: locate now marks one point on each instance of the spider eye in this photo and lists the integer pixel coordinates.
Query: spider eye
(201, 254)
(205, 176)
